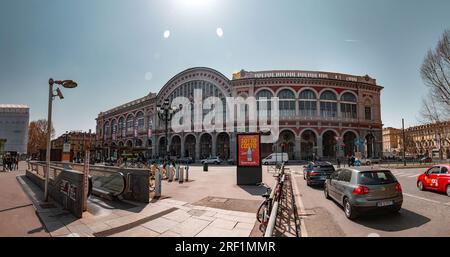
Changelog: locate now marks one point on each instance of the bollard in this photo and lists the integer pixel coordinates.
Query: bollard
(177, 171)
(158, 184)
(169, 171)
(180, 180)
(205, 166)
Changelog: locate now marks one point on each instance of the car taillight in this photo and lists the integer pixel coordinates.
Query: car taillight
(398, 187)
(312, 173)
(360, 190)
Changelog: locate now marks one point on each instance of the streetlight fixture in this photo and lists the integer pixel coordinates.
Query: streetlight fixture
(51, 95)
(165, 113)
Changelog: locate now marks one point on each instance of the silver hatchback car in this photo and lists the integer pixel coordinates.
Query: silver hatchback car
(362, 190)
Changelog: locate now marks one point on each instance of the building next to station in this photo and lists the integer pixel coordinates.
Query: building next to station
(431, 140)
(321, 115)
(78, 140)
(14, 119)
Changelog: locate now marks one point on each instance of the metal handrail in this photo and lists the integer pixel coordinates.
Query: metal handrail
(276, 202)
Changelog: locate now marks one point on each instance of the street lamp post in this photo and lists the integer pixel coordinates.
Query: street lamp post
(51, 95)
(165, 113)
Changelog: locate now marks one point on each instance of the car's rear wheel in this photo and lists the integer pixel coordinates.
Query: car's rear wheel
(420, 185)
(349, 210)
(448, 190)
(325, 192)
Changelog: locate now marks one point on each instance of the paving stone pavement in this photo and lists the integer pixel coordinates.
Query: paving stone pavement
(164, 218)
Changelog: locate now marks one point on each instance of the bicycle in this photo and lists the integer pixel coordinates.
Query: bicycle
(263, 213)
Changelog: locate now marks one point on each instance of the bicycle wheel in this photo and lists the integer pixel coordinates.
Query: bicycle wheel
(260, 212)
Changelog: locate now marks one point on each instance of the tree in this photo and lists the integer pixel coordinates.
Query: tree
(435, 71)
(37, 136)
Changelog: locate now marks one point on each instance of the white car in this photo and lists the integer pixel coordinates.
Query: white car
(211, 160)
(369, 161)
(275, 158)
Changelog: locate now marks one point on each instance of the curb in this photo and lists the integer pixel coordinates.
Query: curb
(299, 204)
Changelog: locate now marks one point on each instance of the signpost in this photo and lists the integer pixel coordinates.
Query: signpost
(87, 157)
(249, 169)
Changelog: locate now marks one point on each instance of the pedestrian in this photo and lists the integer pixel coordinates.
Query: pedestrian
(17, 162)
(338, 162)
(353, 161)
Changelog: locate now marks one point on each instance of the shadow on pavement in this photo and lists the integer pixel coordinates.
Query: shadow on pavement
(403, 220)
(254, 190)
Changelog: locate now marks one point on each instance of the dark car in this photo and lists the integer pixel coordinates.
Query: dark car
(315, 173)
(426, 160)
(362, 190)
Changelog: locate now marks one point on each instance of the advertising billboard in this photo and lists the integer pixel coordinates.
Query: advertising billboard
(248, 150)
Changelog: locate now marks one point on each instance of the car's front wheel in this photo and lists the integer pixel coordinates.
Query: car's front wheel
(448, 190)
(420, 185)
(349, 210)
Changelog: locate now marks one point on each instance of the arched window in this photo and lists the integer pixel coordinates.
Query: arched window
(308, 103)
(260, 98)
(106, 129)
(286, 103)
(348, 106)
(140, 125)
(328, 104)
(130, 123)
(367, 110)
(121, 126)
(114, 127)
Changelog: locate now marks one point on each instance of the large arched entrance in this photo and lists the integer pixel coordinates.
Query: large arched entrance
(308, 145)
(370, 144)
(175, 146)
(223, 146)
(205, 146)
(329, 145)
(349, 142)
(162, 148)
(286, 142)
(189, 146)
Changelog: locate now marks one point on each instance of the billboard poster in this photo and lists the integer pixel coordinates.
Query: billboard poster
(248, 150)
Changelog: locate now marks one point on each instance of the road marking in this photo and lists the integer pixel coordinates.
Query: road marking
(413, 176)
(373, 235)
(422, 198)
(303, 231)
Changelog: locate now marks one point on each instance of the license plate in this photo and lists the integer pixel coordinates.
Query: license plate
(385, 203)
(323, 177)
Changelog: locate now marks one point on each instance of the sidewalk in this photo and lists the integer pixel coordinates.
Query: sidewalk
(210, 205)
(17, 214)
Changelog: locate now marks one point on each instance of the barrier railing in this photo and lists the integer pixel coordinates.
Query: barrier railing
(106, 180)
(276, 199)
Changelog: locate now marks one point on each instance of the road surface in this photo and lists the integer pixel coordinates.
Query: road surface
(423, 213)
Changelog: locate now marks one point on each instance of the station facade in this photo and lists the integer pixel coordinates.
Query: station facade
(321, 115)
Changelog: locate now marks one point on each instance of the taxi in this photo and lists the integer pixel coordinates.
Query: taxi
(436, 178)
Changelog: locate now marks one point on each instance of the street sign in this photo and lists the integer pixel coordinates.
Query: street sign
(66, 148)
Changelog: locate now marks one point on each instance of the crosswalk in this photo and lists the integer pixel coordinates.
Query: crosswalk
(407, 174)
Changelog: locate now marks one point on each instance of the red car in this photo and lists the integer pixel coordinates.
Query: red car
(435, 178)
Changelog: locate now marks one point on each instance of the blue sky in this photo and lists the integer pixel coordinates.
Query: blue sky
(116, 51)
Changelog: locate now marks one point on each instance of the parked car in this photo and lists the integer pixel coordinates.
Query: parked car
(275, 158)
(370, 161)
(231, 161)
(315, 173)
(211, 160)
(436, 178)
(186, 160)
(364, 190)
(426, 160)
